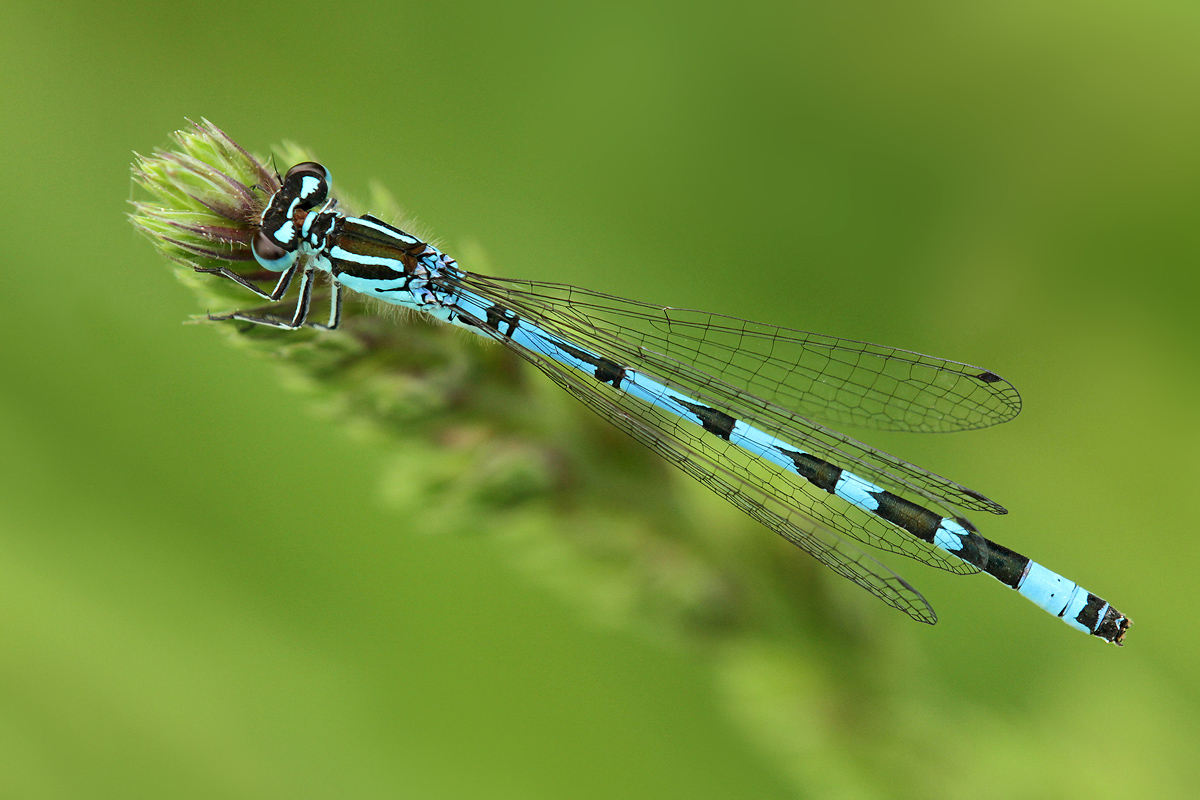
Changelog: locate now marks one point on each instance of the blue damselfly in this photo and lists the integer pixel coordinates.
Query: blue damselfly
(732, 403)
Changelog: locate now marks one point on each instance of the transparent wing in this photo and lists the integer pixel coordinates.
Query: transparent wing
(739, 477)
(840, 381)
(705, 362)
(787, 489)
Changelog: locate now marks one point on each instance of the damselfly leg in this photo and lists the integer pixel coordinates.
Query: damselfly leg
(303, 304)
(275, 295)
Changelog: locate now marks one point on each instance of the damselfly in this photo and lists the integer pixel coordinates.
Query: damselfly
(732, 403)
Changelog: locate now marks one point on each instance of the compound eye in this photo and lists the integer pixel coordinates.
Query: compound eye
(269, 254)
(308, 182)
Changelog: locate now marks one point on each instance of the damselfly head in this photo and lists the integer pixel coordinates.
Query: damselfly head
(305, 186)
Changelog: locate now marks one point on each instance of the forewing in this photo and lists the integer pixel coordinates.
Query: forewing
(841, 381)
(704, 362)
(788, 489)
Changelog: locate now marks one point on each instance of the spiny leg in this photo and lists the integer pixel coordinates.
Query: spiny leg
(298, 317)
(275, 295)
(335, 309)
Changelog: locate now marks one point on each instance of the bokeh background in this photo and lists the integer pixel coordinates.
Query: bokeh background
(201, 594)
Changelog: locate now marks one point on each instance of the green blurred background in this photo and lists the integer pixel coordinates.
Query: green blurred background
(200, 594)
